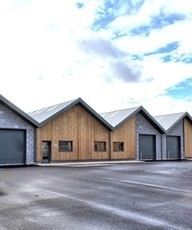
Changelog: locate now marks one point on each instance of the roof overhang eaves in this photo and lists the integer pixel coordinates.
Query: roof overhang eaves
(188, 117)
(85, 106)
(152, 120)
(127, 118)
(144, 112)
(185, 115)
(18, 111)
(42, 123)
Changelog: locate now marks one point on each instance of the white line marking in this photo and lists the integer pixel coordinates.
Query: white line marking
(137, 217)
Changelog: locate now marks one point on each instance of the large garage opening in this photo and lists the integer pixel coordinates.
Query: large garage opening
(147, 147)
(173, 147)
(12, 146)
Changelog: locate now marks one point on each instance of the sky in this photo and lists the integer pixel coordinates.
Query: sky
(114, 54)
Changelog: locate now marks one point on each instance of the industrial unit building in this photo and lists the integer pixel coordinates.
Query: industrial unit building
(137, 131)
(73, 131)
(17, 135)
(177, 142)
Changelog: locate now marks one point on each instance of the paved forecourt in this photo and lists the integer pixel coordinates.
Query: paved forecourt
(97, 196)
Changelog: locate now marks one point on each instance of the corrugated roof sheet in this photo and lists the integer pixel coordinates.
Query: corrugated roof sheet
(45, 113)
(169, 120)
(116, 117)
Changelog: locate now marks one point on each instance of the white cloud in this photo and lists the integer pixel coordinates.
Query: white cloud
(176, 6)
(44, 61)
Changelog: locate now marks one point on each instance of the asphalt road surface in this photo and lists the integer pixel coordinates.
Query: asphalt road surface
(97, 197)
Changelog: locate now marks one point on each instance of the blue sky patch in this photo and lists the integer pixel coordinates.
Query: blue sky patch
(182, 90)
(144, 30)
(112, 9)
(137, 57)
(187, 59)
(79, 5)
(167, 58)
(105, 16)
(163, 20)
(157, 22)
(166, 49)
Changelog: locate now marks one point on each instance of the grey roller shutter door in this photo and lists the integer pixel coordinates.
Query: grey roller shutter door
(12, 146)
(173, 147)
(147, 149)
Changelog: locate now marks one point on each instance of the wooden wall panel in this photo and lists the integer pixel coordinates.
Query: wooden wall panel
(187, 139)
(91, 130)
(125, 133)
(78, 126)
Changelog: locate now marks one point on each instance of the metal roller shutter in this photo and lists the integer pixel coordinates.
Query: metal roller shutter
(173, 148)
(12, 146)
(147, 149)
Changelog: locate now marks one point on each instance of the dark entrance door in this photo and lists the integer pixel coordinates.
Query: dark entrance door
(173, 148)
(12, 146)
(147, 149)
(46, 151)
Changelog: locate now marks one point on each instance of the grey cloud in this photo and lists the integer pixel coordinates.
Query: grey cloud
(101, 47)
(113, 57)
(126, 72)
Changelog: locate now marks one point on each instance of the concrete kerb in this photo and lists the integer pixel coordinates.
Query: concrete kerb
(86, 163)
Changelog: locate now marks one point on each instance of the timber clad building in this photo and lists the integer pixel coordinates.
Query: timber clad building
(137, 131)
(73, 131)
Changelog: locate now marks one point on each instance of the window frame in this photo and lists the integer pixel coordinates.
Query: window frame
(98, 146)
(118, 148)
(68, 143)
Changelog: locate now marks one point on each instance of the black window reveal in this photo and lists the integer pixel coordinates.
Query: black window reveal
(65, 146)
(118, 146)
(100, 146)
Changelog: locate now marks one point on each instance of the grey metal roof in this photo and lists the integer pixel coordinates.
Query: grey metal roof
(46, 114)
(18, 111)
(116, 118)
(168, 121)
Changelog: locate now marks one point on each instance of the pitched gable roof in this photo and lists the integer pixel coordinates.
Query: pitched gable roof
(50, 112)
(45, 115)
(18, 111)
(169, 121)
(117, 118)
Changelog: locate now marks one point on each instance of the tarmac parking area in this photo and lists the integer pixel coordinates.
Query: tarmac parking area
(155, 195)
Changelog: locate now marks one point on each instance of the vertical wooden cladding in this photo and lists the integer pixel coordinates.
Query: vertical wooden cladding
(91, 130)
(125, 133)
(78, 126)
(188, 138)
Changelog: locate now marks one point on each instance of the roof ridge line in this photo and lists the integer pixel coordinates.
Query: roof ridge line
(169, 114)
(135, 107)
(53, 105)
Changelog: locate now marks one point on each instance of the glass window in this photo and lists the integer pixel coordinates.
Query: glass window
(65, 146)
(118, 146)
(100, 146)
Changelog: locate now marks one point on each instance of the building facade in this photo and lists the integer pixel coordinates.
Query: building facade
(17, 135)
